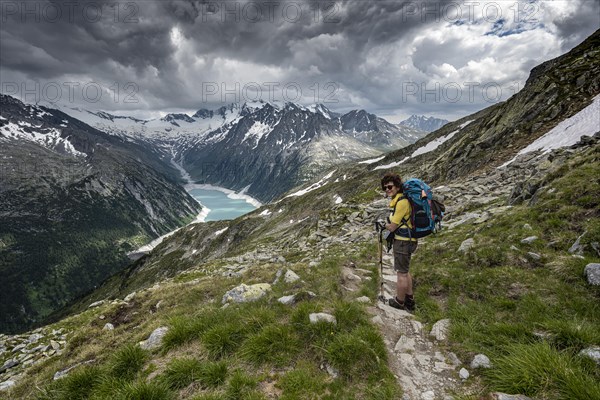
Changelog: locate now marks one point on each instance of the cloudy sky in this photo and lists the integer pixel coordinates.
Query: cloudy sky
(392, 58)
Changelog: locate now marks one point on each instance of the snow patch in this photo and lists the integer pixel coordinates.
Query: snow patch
(567, 132)
(465, 124)
(434, 144)
(256, 132)
(312, 187)
(217, 233)
(50, 139)
(392, 165)
(372, 161)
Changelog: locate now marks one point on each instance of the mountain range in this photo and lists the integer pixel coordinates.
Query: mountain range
(251, 146)
(423, 123)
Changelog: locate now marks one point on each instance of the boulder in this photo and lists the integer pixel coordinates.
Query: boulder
(34, 338)
(7, 385)
(529, 240)
(129, 297)
(577, 248)
(481, 361)
(246, 293)
(363, 299)
(96, 304)
(8, 364)
(287, 300)
(464, 374)
(108, 327)
(466, 245)
(504, 396)
(290, 277)
(591, 352)
(154, 341)
(321, 317)
(65, 372)
(592, 273)
(440, 329)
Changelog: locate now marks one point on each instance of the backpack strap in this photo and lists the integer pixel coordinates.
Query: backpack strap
(404, 221)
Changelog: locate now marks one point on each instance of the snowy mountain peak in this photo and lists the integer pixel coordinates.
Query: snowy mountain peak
(174, 118)
(321, 109)
(424, 123)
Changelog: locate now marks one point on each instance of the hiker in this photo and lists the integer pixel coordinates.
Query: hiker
(403, 246)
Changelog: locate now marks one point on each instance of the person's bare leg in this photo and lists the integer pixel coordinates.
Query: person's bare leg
(409, 288)
(402, 285)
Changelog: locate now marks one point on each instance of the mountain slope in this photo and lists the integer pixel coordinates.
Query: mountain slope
(269, 150)
(74, 201)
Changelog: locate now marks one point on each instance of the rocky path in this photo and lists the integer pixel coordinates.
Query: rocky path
(423, 368)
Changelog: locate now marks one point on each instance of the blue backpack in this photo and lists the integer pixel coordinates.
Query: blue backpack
(426, 213)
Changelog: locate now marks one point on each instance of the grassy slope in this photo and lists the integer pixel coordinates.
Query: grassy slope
(531, 317)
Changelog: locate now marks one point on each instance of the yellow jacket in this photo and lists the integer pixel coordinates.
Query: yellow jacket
(401, 209)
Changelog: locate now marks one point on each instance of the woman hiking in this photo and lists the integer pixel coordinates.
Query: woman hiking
(403, 246)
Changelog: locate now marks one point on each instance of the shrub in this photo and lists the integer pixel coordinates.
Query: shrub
(79, 384)
(127, 362)
(182, 372)
(358, 354)
(242, 387)
(142, 390)
(223, 339)
(305, 381)
(275, 343)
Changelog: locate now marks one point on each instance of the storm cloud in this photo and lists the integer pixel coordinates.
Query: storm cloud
(393, 58)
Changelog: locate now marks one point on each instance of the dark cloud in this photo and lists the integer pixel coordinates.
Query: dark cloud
(168, 49)
(574, 28)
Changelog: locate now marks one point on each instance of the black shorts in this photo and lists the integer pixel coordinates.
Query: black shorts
(403, 249)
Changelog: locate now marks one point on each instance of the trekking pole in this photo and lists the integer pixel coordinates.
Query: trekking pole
(380, 226)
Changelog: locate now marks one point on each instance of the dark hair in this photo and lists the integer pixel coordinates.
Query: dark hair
(391, 177)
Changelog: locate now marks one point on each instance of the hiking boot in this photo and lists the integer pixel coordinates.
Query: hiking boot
(393, 302)
(409, 303)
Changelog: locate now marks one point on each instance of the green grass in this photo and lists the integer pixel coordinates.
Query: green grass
(539, 368)
(127, 362)
(182, 372)
(78, 385)
(531, 317)
(358, 354)
(224, 339)
(141, 390)
(242, 386)
(277, 344)
(305, 381)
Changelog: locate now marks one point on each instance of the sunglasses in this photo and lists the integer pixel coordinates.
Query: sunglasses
(388, 187)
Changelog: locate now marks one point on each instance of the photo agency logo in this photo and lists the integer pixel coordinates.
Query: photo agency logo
(471, 11)
(293, 92)
(270, 11)
(457, 92)
(70, 92)
(69, 12)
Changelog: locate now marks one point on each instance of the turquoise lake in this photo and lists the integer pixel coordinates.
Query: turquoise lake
(221, 207)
